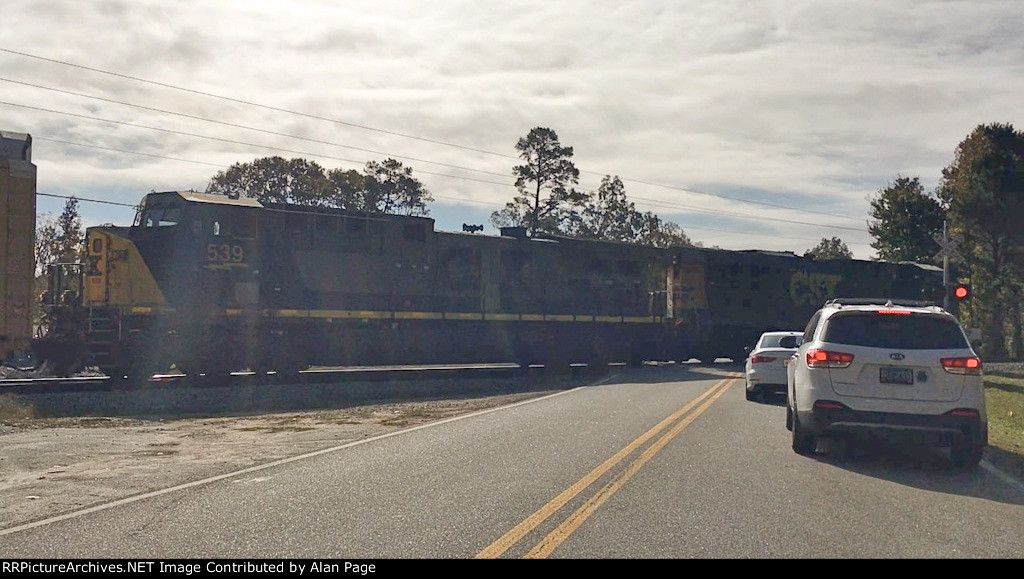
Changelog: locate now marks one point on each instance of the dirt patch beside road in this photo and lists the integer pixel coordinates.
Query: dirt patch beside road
(50, 466)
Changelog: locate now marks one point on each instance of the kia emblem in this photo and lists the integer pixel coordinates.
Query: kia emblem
(897, 356)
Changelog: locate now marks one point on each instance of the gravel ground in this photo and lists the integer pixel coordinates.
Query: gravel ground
(58, 465)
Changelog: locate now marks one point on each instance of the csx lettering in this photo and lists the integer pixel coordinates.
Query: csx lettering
(812, 288)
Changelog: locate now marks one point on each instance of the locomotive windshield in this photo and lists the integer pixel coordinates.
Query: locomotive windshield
(162, 215)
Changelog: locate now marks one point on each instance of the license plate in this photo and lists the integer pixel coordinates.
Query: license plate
(890, 375)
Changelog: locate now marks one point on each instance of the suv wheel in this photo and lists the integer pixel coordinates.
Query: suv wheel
(804, 442)
(789, 417)
(966, 455)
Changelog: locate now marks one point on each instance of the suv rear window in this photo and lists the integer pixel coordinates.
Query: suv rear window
(909, 332)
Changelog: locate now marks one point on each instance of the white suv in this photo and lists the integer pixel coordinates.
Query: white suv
(898, 369)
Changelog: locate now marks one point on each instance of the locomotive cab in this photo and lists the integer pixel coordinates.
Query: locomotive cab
(182, 246)
(152, 289)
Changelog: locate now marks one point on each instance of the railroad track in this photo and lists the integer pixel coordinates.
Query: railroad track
(339, 376)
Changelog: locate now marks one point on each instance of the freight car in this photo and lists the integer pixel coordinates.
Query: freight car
(17, 231)
(212, 284)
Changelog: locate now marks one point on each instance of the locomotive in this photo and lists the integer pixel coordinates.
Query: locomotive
(211, 284)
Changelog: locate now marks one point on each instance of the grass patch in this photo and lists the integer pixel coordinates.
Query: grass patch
(1007, 383)
(13, 409)
(1004, 398)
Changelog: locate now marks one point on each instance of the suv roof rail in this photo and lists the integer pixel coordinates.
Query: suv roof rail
(881, 302)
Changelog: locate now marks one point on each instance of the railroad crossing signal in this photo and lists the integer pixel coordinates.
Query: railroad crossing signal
(948, 247)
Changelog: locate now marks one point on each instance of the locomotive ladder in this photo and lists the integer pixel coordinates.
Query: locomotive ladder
(101, 337)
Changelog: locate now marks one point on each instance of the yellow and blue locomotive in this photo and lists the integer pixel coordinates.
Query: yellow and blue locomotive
(212, 284)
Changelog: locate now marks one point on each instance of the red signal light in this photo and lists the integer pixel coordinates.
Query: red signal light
(958, 291)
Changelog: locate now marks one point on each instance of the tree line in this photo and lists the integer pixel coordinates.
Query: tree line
(547, 202)
(385, 187)
(980, 198)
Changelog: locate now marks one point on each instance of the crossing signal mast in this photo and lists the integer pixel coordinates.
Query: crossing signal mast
(948, 250)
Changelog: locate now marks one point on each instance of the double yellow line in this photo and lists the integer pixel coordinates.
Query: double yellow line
(562, 532)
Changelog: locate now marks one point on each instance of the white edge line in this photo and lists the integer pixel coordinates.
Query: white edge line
(257, 468)
(1002, 475)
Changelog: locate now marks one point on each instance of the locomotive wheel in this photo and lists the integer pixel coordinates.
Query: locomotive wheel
(597, 356)
(113, 371)
(523, 354)
(556, 364)
(598, 364)
(139, 368)
(259, 370)
(195, 367)
(142, 372)
(291, 365)
(140, 362)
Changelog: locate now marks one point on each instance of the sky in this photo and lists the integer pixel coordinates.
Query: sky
(751, 124)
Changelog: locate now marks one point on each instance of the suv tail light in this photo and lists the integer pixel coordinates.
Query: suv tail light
(970, 365)
(827, 359)
(759, 359)
(965, 412)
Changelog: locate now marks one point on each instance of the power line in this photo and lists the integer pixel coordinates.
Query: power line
(318, 141)
(461, 199)
(256, 129)
(669, 205)
(741, 200)
(655, 203)
(127, 151)
(404, 135)
(231, 141)
(689, 227)
(75, 197)
(254, 104)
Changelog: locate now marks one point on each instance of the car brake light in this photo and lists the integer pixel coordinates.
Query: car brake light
(759, 359)
(964, 412)
(825, 359)
(895, 312)
(970, 365)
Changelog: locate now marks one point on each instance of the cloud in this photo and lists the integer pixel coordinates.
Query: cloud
(807, 104)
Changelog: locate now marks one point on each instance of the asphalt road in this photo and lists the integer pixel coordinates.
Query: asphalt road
(667, 462)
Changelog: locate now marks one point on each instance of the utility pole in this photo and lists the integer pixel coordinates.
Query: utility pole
(945, 265)
(948, 250)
